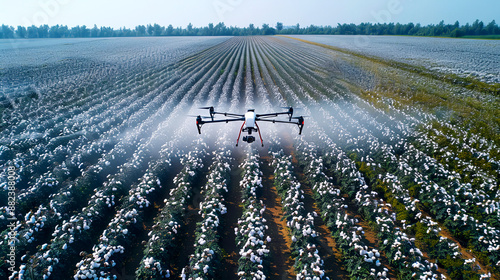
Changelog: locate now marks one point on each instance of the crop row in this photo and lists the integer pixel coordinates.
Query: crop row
(162, 241)
(355, 140)
(308, 262)
(207, 255)
(251, 236)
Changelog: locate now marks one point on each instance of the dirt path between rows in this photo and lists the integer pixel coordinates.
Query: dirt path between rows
(281, 260)
(229, 262)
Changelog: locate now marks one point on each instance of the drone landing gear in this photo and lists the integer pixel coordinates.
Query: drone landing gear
(238, 140)
(249, 138)
(258, 129)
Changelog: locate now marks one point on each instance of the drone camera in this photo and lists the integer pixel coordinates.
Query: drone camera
(248, 139)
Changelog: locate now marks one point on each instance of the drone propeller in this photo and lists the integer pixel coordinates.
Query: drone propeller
(291, 107)
(212, 111)
(195, 116)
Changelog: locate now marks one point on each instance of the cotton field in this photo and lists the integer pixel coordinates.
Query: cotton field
(395, 176)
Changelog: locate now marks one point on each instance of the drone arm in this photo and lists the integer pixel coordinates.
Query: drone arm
(229, 115)
(200, 122)
(299, 123)
(225, 121)
(277, 121)
(271, 114)
(289, 113)
(212, 112)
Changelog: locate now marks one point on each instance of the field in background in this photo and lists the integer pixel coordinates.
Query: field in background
(395, 176)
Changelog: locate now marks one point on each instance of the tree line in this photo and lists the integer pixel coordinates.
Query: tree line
(478, 28)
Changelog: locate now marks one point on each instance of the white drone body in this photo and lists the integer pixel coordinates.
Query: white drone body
(250, 119)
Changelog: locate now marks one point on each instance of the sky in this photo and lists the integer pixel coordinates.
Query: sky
(179, 13)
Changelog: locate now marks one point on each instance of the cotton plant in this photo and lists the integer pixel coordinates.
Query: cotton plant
(59, 202)
(390, 158)
(251, 238)
(366, 199)
(300, 224)
(169, 222)
(406, 171)
(115, 239)
(360, 260)
(206, 258)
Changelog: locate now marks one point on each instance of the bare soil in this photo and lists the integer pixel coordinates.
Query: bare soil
(282, 261)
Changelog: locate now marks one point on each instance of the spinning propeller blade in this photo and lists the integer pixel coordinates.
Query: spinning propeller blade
(212, 111)
(195, 116)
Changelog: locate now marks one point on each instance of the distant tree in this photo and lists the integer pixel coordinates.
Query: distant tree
(266, 30)
(170, 30)
(7, 32)
(251, 29)
(491, 28)
(265, 27)
(477, 27)
(220, 29)
(415, 30)
(106, 32)
(64, 31)
(54, 32)
(32, 32)
(158, 30)
(126, 32)
(84, 32)
(21, 32)
(408, 28)
(279, 26)
(190, 29)
(150, 30)
(441, 29)
(140, 30)
(43, 31)
(94, 32)
(456, 33)
(210, 29)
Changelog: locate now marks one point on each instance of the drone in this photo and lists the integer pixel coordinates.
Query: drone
(249, 120)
